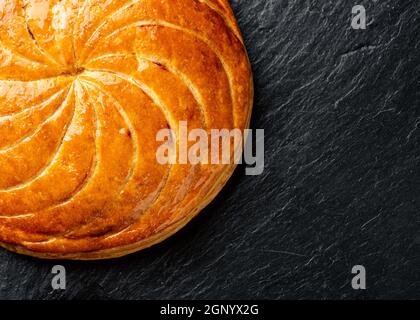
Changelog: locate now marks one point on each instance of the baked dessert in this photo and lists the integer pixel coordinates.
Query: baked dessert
(85, 86)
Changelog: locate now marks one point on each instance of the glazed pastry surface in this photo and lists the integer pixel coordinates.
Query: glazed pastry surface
(85, 86)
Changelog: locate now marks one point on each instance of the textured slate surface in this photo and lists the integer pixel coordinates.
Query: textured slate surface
(341, 113)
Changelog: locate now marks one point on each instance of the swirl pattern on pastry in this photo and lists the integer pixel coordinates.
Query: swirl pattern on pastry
(84, 88)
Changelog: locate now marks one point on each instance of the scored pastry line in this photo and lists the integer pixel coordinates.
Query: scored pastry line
(52, 77)
(40, 105)
(150, 93)
(198, 36)
(34, 40)
(132, 3)
(109, 55)
(227, 21)
(120, 110)
(53, 157)
(40, 126)
(76, 23)
(146, 89)
(21, 56)
(94, 162)
(187, 82)
(93, 34)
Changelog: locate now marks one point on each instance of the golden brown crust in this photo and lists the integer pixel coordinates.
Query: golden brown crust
(84, 88)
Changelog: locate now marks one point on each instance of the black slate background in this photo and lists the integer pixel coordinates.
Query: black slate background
(341, 113)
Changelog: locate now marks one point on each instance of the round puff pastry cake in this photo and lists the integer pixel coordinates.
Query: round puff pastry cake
(85, 86)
